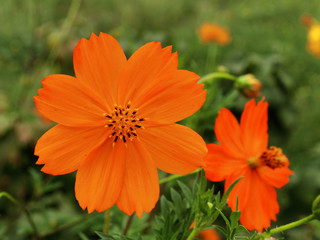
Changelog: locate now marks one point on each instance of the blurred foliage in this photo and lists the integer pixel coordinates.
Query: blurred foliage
(37, 38)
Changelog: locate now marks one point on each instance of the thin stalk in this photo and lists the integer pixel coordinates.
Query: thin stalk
(215, 75)
(211, 57)
(67, 24)
(287, 226)
(192, 234)
(107, 217)
(126, 229)
(64, 227)
(25, 211)
(176, 176)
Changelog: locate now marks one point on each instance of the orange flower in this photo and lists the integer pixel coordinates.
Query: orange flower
(214, 33)
(306, 20)
(313, 44)
(209, 234)
(243, 152)
(117, 123)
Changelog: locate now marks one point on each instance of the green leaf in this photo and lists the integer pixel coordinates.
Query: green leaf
(220, 229)
(224, 217)
(105, 236)
(234, 217)
(225, 196)
(240, 229)
(177, 201)
(186, 191)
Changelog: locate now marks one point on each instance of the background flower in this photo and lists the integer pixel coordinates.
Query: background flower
(213, 33)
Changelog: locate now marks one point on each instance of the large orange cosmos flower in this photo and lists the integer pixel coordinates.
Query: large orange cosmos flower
(117, 123)
(243, 152)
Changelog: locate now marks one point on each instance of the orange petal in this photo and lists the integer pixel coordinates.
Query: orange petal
(254, 127)
(140, 190)
(63, 149)
(218, 165)
(62, 99)
(241, 190)
(277, 177)
(176, 96)
(100, 179)
(98, 63)
(174, 148)
(143, 69)
(227, 131)
(262, 205)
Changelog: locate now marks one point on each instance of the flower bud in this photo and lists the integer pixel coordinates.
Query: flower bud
(248, 85)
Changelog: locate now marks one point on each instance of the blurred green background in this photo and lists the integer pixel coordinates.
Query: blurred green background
(37, 38)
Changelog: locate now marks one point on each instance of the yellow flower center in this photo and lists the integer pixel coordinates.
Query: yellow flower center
(124, 123)
(272, 157)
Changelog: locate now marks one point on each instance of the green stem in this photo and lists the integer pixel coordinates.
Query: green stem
(126, 228)
(287, 226)
(26, 212)
(192, 234)
(67, 24)
(107, 217)
(176, 176)
(211, 57)
(215, 75)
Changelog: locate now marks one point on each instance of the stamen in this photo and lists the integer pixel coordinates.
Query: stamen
(124, 123)
(274, 158)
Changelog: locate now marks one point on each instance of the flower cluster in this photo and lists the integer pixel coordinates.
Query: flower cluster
(117, 126)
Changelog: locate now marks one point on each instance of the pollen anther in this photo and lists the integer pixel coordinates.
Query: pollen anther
(273, 158)
(123, 123)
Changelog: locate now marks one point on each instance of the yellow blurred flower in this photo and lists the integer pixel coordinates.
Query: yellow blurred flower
(213, 33)
(313, 45)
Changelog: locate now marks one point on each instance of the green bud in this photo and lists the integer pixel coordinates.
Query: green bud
(248, 85)
(210, 205)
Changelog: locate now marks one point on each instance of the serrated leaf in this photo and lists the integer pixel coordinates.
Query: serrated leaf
(220, 229)
(175, 196)
(186, 191)
(177, 201)
(240, 229)
(164, 205)
(234, 218)
(224, 217)
(105, 236)
(83, 236)
(225, 196)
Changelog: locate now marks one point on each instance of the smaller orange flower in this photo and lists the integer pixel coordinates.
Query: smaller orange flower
(243, 152)
(209, 33)
(209, 234)
(313, 45)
